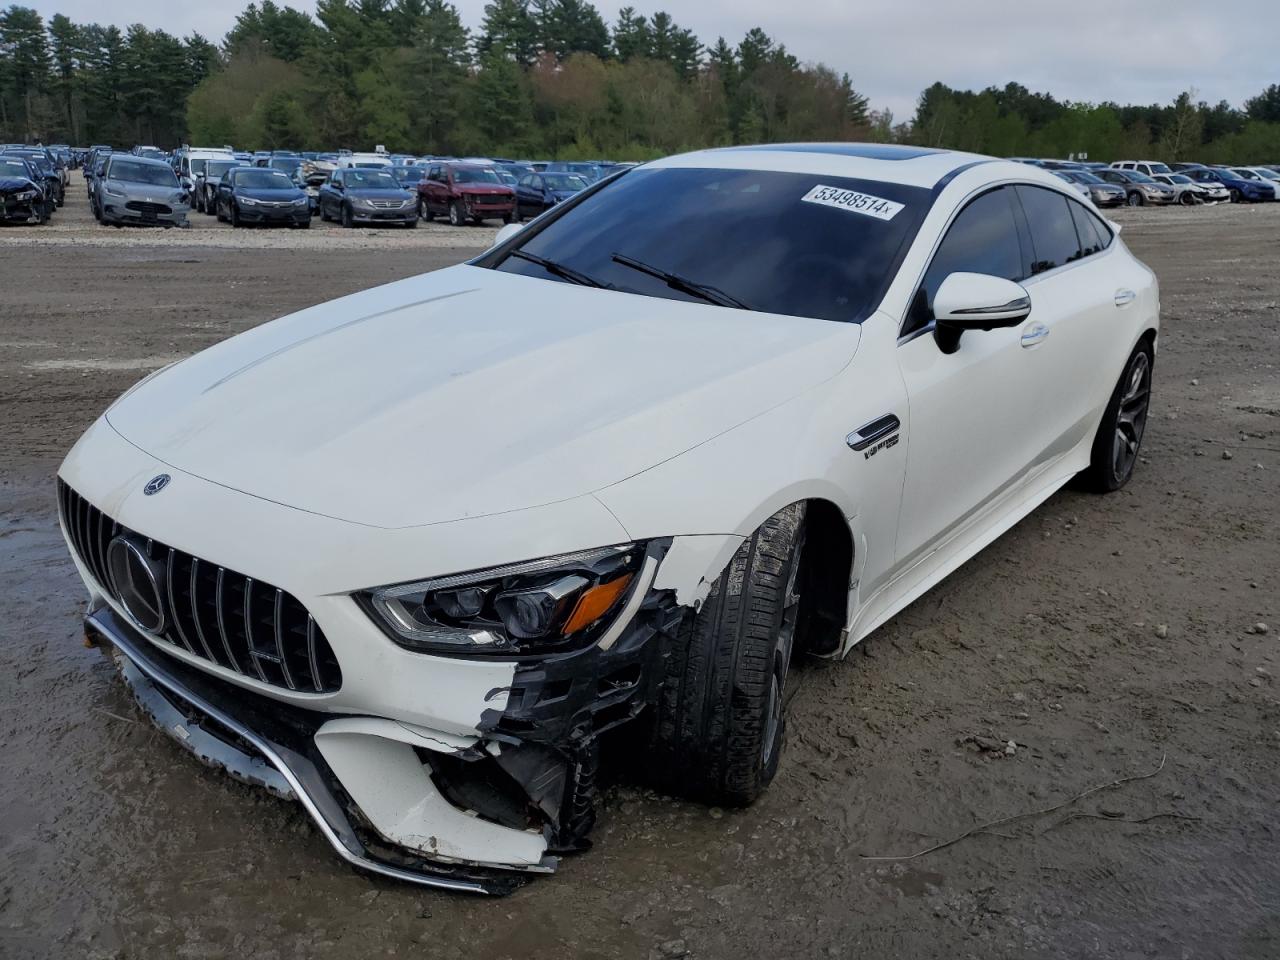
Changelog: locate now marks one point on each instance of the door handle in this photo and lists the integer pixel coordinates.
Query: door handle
(1125, 297)
(1036, 333)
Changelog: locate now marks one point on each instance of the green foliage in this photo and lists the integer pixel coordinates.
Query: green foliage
(1013, 121)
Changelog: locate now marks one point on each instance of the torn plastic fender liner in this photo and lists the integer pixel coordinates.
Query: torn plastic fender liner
(547, 732)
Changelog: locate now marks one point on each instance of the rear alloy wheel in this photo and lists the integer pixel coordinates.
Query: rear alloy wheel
(1135, 199)
(1119, 436)
(720, 719)
(457, 217)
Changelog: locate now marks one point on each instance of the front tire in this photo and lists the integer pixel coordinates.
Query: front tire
(1236, 196)
(347, 220)
(719, 723)
(457, 216)
(1119, 436)
(1135, 199)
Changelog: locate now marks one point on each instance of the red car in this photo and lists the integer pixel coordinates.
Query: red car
(464, 192)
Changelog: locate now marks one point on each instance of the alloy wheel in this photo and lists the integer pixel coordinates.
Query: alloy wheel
(1131, 417)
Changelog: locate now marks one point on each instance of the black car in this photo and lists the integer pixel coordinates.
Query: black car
(536, 192)
(47, 170)
(22, 198)
(205, 192)
(258, 195)
(367, 195)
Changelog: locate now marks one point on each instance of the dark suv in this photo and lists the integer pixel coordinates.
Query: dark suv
(465, 193)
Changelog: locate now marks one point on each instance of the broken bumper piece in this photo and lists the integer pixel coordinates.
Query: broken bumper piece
(308, 756)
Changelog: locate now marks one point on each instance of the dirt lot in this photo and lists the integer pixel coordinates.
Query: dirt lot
(1100, 635)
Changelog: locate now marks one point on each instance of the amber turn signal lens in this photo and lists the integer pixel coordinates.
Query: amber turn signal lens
(593, 604)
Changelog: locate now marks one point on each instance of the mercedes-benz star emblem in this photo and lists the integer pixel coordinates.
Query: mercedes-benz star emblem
(138, 581)
(156, 484)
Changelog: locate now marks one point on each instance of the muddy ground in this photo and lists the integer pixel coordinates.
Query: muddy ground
(1103, 636)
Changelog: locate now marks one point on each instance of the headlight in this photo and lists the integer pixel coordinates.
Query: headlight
(112, 193)
(540, 606)
(301, 202)
(27, 195)
(248, 201)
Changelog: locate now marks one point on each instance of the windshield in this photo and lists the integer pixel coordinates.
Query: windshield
(264, 179)
(14, 168)
(564, 181)
(1178, 178)
(287, 164)
(216, 168)
(405, 174)
(1246, 174)
(1082, 177)
(808, 245)
(371, 179)
(1137, 177)
(133, 171)
(474, 175)
(1159, 168)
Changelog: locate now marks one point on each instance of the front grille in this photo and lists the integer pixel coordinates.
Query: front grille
(214, 613)
(387, 204)
(140, 206)
(488, 199)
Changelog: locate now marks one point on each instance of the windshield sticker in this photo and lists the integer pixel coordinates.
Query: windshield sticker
(854, 201)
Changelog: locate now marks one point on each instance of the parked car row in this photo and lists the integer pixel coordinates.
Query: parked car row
(1141, 182)
(33, 182)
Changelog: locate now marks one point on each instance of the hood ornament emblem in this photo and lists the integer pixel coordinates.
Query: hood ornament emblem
(156, 484)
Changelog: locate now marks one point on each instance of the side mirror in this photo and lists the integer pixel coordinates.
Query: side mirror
(976, 301)
(507, 232)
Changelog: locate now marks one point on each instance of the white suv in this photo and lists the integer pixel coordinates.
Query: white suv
(1149, 167)
(414, 555)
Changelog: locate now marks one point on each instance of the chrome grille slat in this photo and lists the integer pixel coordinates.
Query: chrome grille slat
(279, 621)
(248, 627)
(222, 627)
(195, 611)
(296, 645)
(311, 653)
(173, 606)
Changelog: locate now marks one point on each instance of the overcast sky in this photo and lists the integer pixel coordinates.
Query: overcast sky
(1122, 50)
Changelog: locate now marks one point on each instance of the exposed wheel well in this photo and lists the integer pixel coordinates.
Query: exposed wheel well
(826, 564)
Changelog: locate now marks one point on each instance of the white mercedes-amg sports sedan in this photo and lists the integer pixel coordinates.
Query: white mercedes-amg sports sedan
(419, 556)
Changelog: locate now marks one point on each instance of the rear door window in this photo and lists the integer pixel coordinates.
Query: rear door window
(1094, 234)
(1053, 232)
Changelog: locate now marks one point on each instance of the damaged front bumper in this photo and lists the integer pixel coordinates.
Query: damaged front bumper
(475, 815)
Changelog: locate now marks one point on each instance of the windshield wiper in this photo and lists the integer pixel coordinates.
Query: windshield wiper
(702, 291)
(559, 269)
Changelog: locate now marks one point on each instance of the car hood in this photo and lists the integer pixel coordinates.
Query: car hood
(277, 196)
(378, 194)
(16, 184)
(151, 192)
(474, 187)
(469, 392)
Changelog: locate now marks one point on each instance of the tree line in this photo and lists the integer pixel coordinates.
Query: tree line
(537, 78)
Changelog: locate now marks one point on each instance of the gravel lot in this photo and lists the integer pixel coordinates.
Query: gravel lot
(1106, 637)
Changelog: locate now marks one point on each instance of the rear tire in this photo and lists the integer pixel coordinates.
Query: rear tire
(718, 726)
(1119, 438)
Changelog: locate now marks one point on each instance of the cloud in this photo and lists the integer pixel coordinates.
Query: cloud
(1087, 50)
